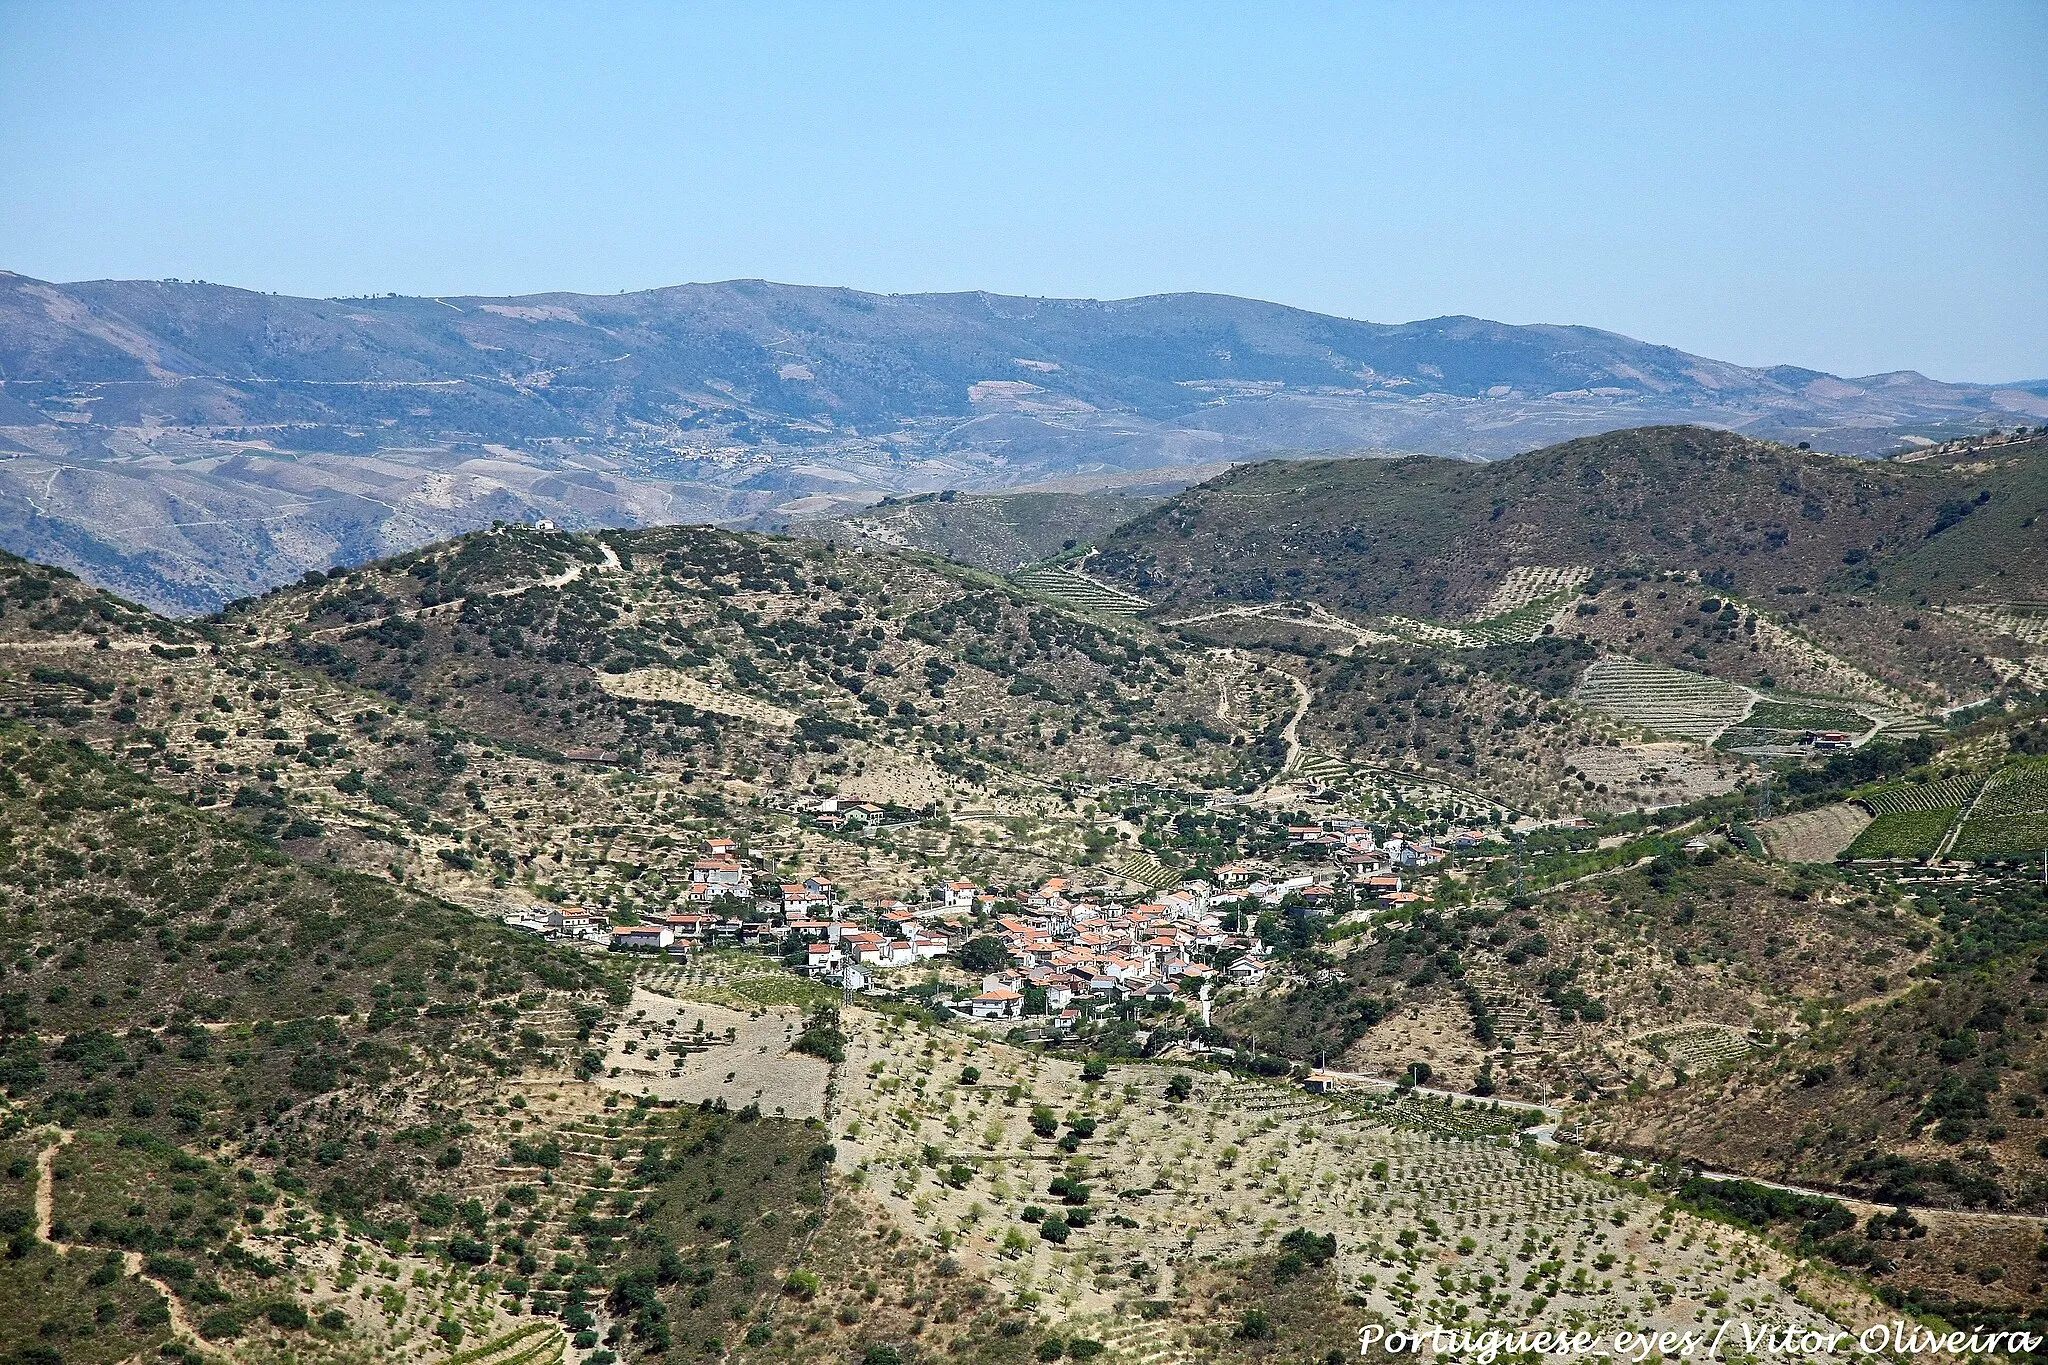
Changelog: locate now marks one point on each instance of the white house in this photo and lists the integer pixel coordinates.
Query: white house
(997, 1002)
(719, 876)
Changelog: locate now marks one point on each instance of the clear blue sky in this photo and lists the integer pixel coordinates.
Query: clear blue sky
(1856, 187)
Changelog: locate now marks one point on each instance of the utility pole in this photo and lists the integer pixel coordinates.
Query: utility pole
(1763, 798)
(1518, 865)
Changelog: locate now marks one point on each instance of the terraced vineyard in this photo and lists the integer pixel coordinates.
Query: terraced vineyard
(1452, 1118)
(1392, 791)
(2024, 621)
(1950, 794)
(1667, 700)
(1697, 1047)
(2010, 819)
(1520, 626)
(742, 980)
(1148, 872)
(1904, 834)
(1527, 584)
(537, 1343)
(1080, 592)
(1430, 632)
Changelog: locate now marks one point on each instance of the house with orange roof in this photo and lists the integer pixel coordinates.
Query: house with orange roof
(996, 1001)
(690, 926)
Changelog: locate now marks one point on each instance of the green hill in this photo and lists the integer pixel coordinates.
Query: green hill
(1436, 537)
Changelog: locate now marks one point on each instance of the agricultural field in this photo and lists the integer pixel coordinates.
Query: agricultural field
(1813, 836)
(1080, 592)
(1694, 1048)
(1778, 725)
(2010, 816)
(2026, 622)
(1097, 1197)
(1904, 834)
(1650, 775)
(1949, 793)
(1526, 584)
(692, 1052)
(1667, 701)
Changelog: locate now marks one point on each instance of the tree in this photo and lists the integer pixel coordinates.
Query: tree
(984, 954)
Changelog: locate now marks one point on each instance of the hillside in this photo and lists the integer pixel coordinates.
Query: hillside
(282, 879)
(187, 444)
(259, 1105)
(202, 1043)
(1837, 560)
(544, 716)
(1000, 533)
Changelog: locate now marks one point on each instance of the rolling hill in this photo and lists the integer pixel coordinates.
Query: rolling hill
(263, 1018)
(189, 443)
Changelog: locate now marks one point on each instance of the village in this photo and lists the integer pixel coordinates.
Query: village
(1063, 952)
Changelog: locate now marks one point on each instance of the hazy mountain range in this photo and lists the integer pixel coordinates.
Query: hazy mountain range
(189, 443)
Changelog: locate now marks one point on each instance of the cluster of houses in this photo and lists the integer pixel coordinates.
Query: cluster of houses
(1071, 950)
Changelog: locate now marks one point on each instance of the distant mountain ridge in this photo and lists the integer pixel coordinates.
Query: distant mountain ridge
(190, 443)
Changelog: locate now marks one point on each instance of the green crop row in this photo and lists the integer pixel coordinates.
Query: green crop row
(1903, 834)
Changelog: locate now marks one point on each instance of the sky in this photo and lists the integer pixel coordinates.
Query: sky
(1855, 187)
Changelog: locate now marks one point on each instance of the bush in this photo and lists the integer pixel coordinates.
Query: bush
(469, 1251)
(1255, 1325)
(1054, 1230)
(1302, 1250)
(983, 954)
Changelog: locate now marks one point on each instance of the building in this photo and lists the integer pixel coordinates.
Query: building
(996, 1002)
(718, 876)
(571, 921)
(642, 938)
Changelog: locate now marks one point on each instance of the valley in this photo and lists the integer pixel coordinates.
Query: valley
(1337, 893)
